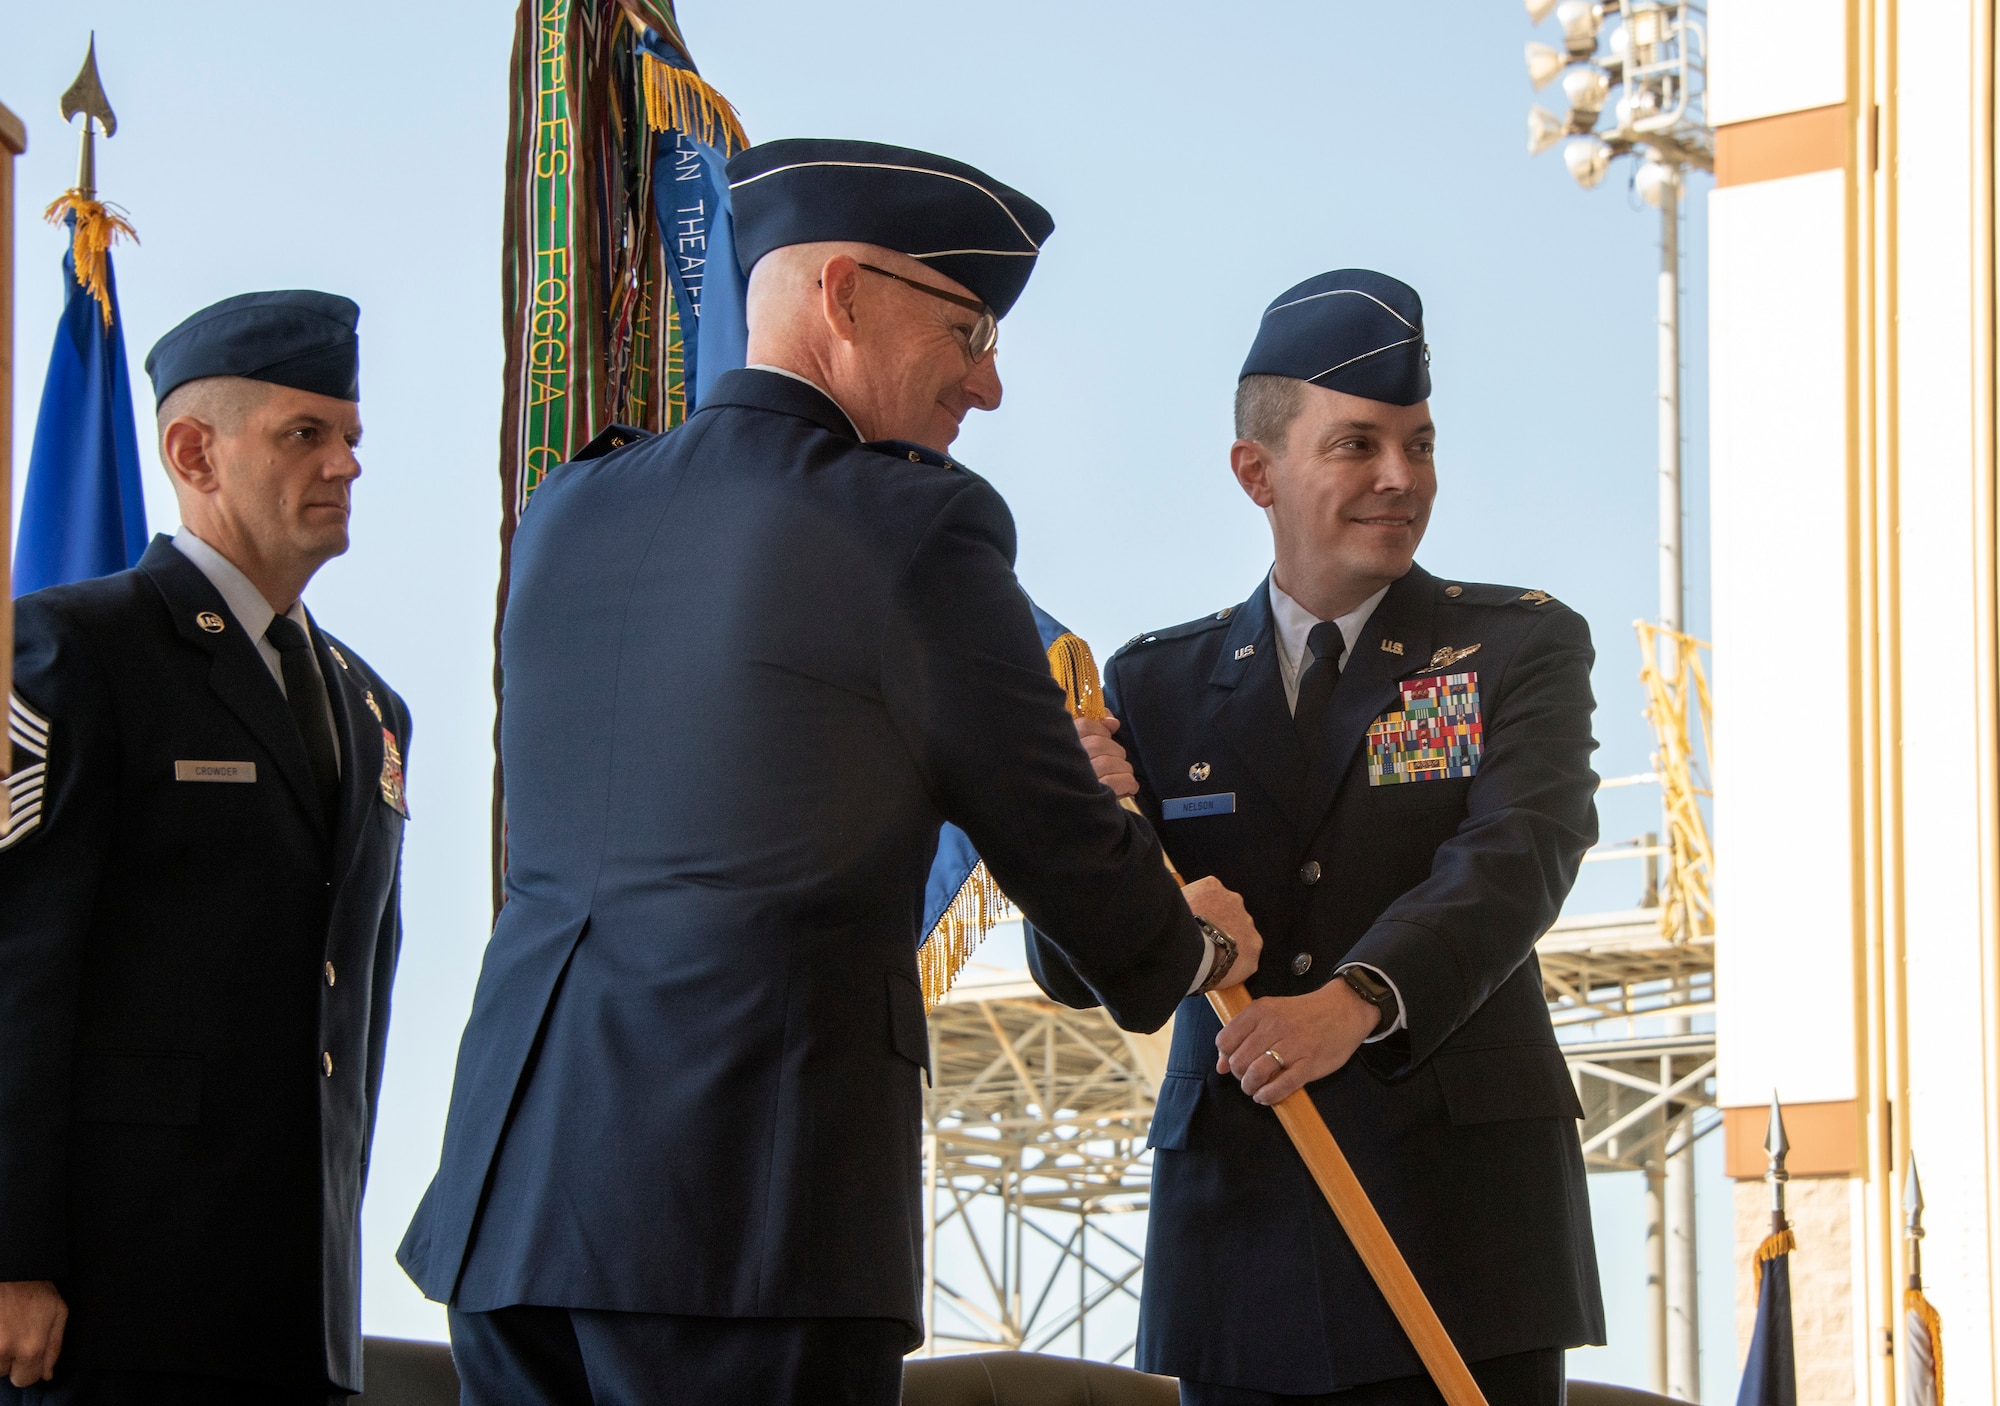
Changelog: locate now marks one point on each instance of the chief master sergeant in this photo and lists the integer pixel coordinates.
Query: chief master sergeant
(198, 910)
(1394, 771)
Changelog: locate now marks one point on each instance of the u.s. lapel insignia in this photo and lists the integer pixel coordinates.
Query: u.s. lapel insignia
(210, 622)
(1246, 651)
(368, 697)
(338, 658)
(1392, 646)
(392, 775)
(1536, 597)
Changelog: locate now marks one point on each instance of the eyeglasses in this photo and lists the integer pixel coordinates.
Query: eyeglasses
(980, 339)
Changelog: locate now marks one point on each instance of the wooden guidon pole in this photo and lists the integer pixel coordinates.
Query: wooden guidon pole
(13, 141)
(1357, 1216)
(1075, 669)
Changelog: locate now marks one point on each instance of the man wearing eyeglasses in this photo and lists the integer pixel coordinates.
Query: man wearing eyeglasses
(751, 667)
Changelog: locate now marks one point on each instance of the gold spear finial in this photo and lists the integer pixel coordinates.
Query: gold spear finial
(1913, 1223)
(1776, 1145)
(86, 96)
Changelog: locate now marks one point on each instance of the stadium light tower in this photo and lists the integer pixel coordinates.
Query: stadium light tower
(1652, 56)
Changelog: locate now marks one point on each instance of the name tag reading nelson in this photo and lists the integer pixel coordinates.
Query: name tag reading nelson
(215, 771)
(1194, 807)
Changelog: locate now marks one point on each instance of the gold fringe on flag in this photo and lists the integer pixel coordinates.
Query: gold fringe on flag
(1915, 1302)
(1074, 667)
(98, 227)
(978, 905)
(680, 100)
(1782, 1243)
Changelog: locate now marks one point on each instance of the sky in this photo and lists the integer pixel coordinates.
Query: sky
(1198, 160)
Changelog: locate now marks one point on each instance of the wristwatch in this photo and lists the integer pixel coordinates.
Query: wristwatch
(1224, 959)
(1376, 993)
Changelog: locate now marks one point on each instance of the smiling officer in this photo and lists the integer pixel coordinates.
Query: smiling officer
(198, 910)
(1393, 769)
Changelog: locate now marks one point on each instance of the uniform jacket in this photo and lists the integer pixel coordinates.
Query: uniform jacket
(749, 668)
(185, 960)
(1461, 1126)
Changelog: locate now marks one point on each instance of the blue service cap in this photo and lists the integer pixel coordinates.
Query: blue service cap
(954, 217)
(297, 338)
(1352, 330)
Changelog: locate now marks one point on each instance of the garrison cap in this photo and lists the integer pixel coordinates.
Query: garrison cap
(1352, 330)
(954, 217)
(297, 338)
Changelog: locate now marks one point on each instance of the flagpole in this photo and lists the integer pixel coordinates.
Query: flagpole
(13, 142)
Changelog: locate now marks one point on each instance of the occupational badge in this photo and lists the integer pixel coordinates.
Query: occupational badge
(1435, 733)
(368, 697)
(392, 775)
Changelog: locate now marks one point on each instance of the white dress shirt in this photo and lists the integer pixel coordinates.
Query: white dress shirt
(247, 604)
(1293, 624)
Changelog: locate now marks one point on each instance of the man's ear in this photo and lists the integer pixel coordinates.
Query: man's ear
(840, 286)
(186, 447)
(1251, 463)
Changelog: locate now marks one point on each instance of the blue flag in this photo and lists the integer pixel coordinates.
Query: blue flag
(691, 203)
(1770, 1373)
(956, 858)
(84, 512)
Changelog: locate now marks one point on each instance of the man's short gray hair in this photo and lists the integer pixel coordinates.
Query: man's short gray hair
(1266, 407)
(222, 401)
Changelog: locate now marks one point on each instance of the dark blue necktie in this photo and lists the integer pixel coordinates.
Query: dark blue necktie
(1326, 645)
(307, 700)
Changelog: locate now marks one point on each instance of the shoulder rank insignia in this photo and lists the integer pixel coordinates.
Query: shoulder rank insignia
(1537, 597)
(1392, 646)
(392, 775)
(29, 732)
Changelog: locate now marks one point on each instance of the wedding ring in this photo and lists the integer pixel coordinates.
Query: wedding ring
(1277, 1059)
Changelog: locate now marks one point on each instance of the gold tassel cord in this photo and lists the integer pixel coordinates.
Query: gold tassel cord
(98, 227)
(1915, 1302)
(679, 100)
(978, 905)
(1782, 1243)
(1687, 909)
(1074, 667)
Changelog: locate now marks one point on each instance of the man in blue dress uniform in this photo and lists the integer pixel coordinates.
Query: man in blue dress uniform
(1394, 770)
(199, 910)
(751, 666)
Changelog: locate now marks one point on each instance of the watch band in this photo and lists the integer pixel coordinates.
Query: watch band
(1375, 992)
(1220, 965)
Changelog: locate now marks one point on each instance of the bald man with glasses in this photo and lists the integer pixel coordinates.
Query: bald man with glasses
(752, 666)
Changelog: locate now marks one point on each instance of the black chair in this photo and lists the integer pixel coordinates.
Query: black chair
(1029, 1379)
(398, 1372)
(404, 1373)
(1599, 1394)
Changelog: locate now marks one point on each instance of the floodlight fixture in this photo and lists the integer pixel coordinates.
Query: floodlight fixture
(1587, 87)
(1653, 179)
(1579, 20)
(1588, 158)
(1538, 10)
(1545, 129)
(1545, 64)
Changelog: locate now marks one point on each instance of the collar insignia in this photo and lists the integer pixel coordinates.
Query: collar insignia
(1392, 646)
(1246, 651)
(210, 622)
